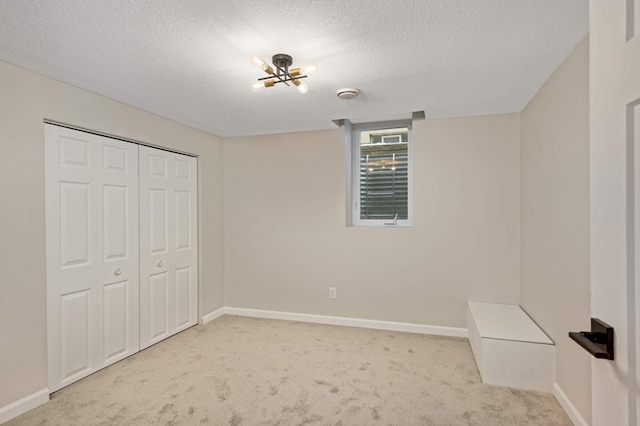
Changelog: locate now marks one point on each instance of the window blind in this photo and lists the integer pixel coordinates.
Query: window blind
(384, 185)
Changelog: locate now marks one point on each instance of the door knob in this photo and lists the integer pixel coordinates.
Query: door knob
(117, 272)
(160, 263)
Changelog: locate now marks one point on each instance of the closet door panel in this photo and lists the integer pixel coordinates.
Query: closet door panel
(154, 245)
(92, 245)
(116, 338)
(183, 297)
(71, 178)
(158, 306)
(186, 240)
(157, 221)
(119, 269)
(183, 220)
(76, 335)
(74, 223)
(115, 222)
(167, 244)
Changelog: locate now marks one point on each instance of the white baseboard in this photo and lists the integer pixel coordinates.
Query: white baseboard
(213, 315)
(23, 405)
(349, 322)
(568, 407)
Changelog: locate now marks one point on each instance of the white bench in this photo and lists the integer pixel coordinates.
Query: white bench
(509, 348)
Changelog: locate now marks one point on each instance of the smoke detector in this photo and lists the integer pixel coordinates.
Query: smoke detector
(347, 93)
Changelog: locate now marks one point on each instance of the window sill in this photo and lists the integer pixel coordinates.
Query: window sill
(381, 224)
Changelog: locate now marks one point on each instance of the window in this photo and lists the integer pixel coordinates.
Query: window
(391, 138)
(381, 174)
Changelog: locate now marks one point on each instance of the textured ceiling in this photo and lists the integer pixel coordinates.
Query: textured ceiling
(190, 60)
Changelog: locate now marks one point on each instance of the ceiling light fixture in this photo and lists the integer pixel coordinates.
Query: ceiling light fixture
(282, 74)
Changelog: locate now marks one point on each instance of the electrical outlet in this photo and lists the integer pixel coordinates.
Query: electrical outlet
(332, 292)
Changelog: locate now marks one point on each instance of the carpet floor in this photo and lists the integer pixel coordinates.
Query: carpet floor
(247, 371)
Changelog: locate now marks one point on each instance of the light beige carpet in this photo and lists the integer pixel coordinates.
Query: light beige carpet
(245, 371)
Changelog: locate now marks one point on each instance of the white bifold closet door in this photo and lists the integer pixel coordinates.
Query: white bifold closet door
(168, 244)
(92, 252)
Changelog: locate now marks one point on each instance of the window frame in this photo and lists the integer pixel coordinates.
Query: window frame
(356, 131)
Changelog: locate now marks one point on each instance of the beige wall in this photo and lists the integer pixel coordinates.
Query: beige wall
(555, 218)
(26, 99)
(286, 241)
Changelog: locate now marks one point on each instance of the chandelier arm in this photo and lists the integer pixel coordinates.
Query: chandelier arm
(282, 72)
(280, 80)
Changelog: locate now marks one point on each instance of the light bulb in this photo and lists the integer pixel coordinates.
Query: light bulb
(309, 68)
(302, 87)
(306, 70)
(259, 85)
(257, 61)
